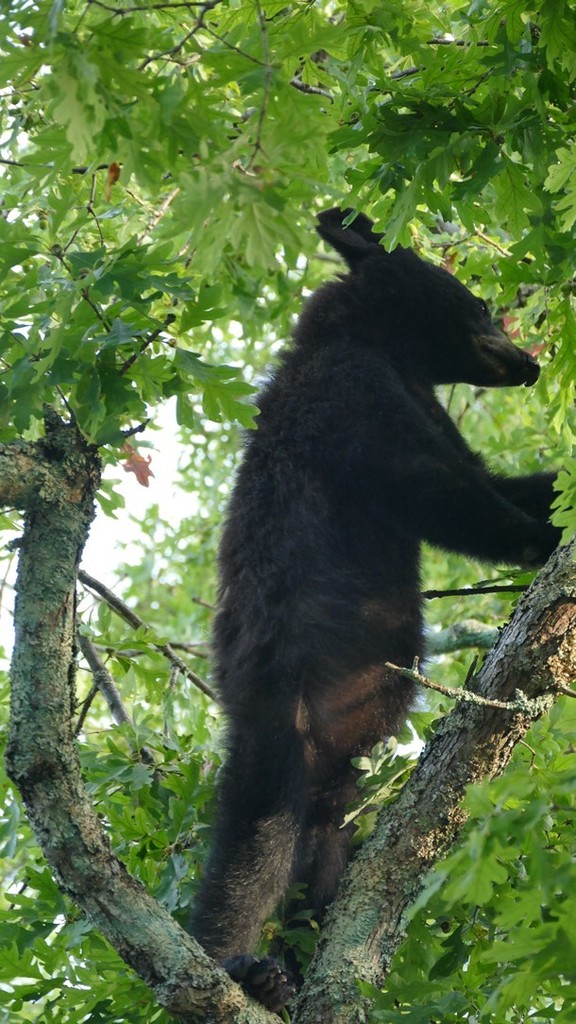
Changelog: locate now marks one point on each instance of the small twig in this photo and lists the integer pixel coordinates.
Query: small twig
(518, 705)
(126, 613)
(84, 292)
(84, 170)
(159, 213)
(130, 431)
(396, 75)
(103, 680)
(231, 46)
(441, 41)
(474, 88)
(508, 588)
(58, 252)
(172, 681)
(137, 199)
(203, 603)
(90, 208)
(490, 241)
(257, 147)
(170, 318)
(313, 90)
(127, 652)
(91, 211)
(21, 888)
(147, 7)
(86, 705)
(206, 8)
(192, 649)
(532, 751)
(566, 691)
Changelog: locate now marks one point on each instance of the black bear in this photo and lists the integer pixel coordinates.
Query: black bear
(353, 464)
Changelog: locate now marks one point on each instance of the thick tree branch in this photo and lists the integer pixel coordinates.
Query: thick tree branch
(43, 762)
(535, 654)
(460, 636)
(28, 475)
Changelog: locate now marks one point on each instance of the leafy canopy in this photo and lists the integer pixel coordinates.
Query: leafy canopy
(161, 165)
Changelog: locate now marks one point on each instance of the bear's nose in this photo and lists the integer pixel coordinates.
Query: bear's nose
(532, 370)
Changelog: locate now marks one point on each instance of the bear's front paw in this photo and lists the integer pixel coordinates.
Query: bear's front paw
(536, 553)
(262, 978)
(532, 557)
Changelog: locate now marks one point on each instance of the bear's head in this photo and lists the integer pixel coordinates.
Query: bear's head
(429, 324)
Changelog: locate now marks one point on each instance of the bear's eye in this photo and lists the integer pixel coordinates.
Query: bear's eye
(484, 308)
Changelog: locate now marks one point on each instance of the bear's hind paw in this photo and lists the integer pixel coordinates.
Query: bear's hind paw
(262, 978)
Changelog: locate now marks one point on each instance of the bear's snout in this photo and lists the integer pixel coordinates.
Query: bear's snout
(532, 370)
(512, 365)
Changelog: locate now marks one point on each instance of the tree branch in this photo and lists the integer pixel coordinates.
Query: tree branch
(460, 636)
(311, 90)
(29, 475)
(126, 365)
(257, 146)
(103, 680)
(535, 654)
(519, 703)
(495, 588)
(136, 622)
(42, 759)
(205, 9)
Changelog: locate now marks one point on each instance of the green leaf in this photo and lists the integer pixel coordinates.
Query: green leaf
(78, 107)
(563, 172)
(513, 198)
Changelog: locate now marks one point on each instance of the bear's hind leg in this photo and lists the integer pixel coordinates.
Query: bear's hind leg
(261, 810)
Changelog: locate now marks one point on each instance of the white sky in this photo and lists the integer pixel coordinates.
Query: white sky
(101, 555)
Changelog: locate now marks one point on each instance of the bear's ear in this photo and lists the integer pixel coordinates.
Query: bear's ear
(355, 242)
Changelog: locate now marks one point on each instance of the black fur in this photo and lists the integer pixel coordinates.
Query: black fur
(353, 464)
